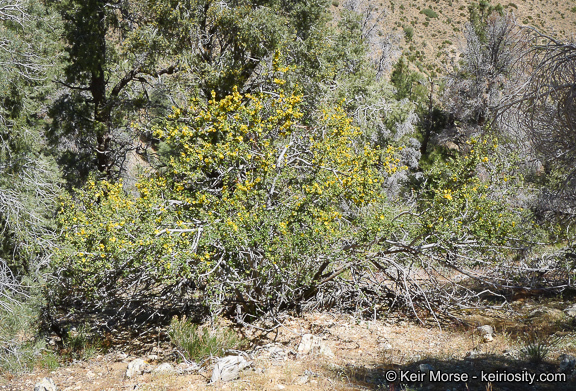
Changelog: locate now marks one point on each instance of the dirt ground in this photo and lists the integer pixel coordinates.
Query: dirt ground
(364, 354)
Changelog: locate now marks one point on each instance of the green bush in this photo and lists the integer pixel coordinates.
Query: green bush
(429, 13)
(536, 348)
(82, 343)
(21, 350)
(409, 33)
(20, 357)
(196, 343)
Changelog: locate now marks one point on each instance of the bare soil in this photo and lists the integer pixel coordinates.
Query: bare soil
(364, 352)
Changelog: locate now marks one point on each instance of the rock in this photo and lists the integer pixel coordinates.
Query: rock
(425, 368)
(325, 350)
(280, 387)
(121, 356)
(571, 311)
(276, 353)
(301, 380)
(472, 354)
(152, 357)
(311, 344)
(486, 329)
(567, 363)
(308, 343)
(486, 332)
(228, 368)
(136, 367)
(188, 368)
(545, 315)
(45, 384)
(451, 146)
(164, 369)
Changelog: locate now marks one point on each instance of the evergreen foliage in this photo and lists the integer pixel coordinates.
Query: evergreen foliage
(28, 175)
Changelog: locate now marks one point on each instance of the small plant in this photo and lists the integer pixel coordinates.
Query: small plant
(335, 3)
(21, 349)
(197, 343)
(81, 343)
(536, 347)
(409, 32)
(429, 13)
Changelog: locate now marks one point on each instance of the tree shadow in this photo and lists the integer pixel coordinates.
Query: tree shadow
(133, 326)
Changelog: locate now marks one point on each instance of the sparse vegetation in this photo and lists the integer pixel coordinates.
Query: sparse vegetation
(197, 343)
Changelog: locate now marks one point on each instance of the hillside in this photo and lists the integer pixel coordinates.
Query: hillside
(433, 29)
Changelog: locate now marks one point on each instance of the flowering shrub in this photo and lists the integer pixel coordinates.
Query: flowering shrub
(251, 207)
(469, 198)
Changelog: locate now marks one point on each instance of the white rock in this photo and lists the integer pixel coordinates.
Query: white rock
(136, 367)
(487, 338)
(228, 368)
(311, 344)
(280, 387)
(45, 384)
(325, 350)
(307, 344)
(486, 329)
(571, 311)
(486, 332)
(301, 380)
(164, 369)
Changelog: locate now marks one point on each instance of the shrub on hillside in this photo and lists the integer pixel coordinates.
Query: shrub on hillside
(429, 13)
(408, 32)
